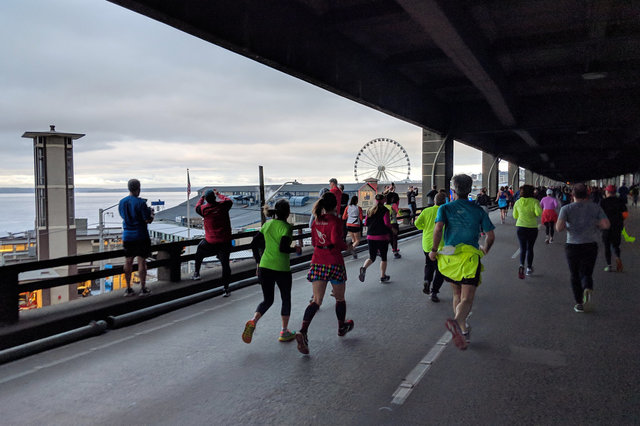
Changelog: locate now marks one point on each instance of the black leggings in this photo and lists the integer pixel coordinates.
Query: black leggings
(432, 274)
(527, 238)
(581, 259)
(611, 238)
(550, 228)
(222, 251)
(268, 280)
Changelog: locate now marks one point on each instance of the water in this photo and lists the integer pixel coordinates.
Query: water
(17, 211)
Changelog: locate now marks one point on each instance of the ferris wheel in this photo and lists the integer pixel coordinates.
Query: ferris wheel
(383, 159)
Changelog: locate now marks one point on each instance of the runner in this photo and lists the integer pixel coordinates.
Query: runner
(615, 209)
(412, 193)
(503, 203)
(426, 222)
(327, 265)
(271, 248)
(392, 206)
(378, 226)
(353, 218)
(525, 211)
(549, 206)
(462, 221)
(582, 219)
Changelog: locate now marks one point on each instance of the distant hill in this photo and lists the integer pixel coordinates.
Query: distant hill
(30, 190)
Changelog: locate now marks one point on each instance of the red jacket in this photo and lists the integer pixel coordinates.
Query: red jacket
(336, 191)
(217, 225)
(326, 238)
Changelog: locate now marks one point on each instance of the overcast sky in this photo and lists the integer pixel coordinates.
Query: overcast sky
(154, 101)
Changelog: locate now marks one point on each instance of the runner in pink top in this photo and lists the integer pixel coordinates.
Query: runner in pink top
(327, 266)
(549, 206)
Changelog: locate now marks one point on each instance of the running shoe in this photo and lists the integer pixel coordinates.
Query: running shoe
(546, 240)
(426, 287)
(363, 271)
(579, 308)
(456, 333)
(397, 255)
(129, 292)
(384, 278)
(618, 264)
(529, 271)
(226, 293)
(608, 268)
(195, 276)
(303, 343)
(587, 304)
(435, 298)
(355, 255)
(347, 327)
(550, 240)
(144, 292)
(247, 334)
(521, 272)
(467, 334)
(286, 336)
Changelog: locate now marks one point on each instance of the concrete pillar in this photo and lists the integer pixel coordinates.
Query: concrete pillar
(490, 174)
(55, 205)
(514, 176)
(528, 177)
(437, 161)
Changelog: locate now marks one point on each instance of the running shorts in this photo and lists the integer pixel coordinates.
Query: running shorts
(336, 274)
(135, 248)
(475, 281)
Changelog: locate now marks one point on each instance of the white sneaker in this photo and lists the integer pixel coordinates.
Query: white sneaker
(529, 271)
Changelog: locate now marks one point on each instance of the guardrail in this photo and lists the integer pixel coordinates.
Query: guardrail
(168, 260)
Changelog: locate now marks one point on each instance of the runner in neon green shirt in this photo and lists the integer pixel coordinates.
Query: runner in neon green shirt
(275, 238)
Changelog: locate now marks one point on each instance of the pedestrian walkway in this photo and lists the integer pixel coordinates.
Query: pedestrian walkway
(532, 359)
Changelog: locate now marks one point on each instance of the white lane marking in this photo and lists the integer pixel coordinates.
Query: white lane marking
(516, 254)
(413, 378)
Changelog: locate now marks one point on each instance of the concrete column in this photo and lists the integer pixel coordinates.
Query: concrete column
(528, 177)
(514, 176)
(55, 205)
(437, 161)
(490, 174)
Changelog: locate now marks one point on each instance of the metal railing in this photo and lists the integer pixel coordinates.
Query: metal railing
(168, 259)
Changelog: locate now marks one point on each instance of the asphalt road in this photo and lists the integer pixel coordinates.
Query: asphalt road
(532, 359)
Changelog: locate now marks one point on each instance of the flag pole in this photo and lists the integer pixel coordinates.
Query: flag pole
(188, 207)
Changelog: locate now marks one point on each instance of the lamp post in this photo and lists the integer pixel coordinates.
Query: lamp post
(262, 216)
(101, 236)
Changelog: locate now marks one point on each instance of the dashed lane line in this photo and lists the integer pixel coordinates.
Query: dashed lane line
(419, 371)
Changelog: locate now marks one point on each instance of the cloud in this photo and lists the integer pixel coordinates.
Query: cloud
(154, 101)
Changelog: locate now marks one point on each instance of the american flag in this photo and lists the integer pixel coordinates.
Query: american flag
(188, 184)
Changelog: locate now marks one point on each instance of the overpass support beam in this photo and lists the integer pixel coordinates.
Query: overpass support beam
(514, 176)
(490, 174)
(437, 161)
(528, 177)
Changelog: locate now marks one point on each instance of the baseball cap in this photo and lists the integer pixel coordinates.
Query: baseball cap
(611, 188)
(549, 191)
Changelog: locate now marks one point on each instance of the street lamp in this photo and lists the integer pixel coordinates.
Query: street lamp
(263, 219)
(101, 234)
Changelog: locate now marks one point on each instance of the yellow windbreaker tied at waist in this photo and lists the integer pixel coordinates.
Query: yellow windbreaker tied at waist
(459, 262)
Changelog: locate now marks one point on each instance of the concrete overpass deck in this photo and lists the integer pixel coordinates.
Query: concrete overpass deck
(532, 359)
